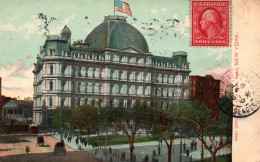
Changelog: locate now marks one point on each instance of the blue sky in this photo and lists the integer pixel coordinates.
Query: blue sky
(21, 32)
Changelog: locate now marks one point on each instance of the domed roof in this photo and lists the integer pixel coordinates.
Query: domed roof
(65, 31)
(116, 33)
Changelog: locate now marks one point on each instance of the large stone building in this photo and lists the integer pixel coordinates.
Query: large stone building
(112, 67)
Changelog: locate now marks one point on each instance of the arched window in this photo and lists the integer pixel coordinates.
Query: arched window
(50, 101)
(51, 85)
(51, 69)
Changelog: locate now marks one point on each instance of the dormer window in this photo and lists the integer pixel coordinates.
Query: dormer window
(64, 52)
(52, 52)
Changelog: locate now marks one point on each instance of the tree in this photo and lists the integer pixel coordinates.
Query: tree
(62, 117)
(85, 117)
(166, 124)
(130, 120)
(196, 117)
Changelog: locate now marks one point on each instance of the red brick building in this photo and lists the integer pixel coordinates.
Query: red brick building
(205, 90)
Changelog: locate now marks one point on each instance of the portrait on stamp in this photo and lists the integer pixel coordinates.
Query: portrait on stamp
(210, 23)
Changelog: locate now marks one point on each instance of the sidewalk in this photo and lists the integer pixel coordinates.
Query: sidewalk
(141, 149)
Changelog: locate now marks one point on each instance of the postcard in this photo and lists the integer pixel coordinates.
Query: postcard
(129, 80)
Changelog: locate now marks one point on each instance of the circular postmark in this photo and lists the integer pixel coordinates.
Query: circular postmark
(239, 93)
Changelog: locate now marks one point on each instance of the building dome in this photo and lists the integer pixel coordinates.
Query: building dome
(116, 33)
(65, 31)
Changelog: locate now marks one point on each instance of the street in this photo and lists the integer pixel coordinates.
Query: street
(12, 148)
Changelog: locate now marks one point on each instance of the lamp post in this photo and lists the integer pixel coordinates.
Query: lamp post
(61, 136)
(181, 144)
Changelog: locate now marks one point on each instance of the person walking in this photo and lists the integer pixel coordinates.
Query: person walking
(146, 158)
(27, 149)
(77, 141)
(187, 152)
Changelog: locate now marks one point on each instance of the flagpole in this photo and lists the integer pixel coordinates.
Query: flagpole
(114, 7)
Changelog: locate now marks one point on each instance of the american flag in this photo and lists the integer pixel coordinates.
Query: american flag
(122, 7)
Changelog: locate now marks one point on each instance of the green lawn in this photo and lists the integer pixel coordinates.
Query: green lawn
(224, 158)
(119, 139)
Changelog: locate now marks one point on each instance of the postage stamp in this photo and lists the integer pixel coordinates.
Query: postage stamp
(210, 23)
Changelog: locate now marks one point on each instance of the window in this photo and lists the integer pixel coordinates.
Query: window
(136, 90)
(120, 59)
(93, 102)
(51, 69)
(129, 59)
(64, 52)
(168, 78)
(136, 76)
(157, 78)
(51, 85)
(79, 85)
(86, 87)
(50, 101)
(63, 69)
(93, 72)
(144, 77)
(144, 90)
(128, 75)
(127, 89)
(93, 87)
(79, 72)
(62, 102)
(52, 52)
(120, 74)
(86, 72)
(161, 92)
(112, 58)
(111, 73)
(136, 60)
(162, 78)
(78, 102)
(99, 88)
(86, 101)
(144, 61)
(100, 73)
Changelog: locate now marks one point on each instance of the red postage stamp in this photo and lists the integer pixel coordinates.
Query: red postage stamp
(210, 22)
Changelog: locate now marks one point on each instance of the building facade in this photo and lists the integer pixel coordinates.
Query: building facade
(112, 67)
(204, 89)
(18, 109)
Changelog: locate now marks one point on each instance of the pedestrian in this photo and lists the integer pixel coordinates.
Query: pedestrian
(146, 158)
(77, 141)
(27, 149)
(192, 143)
(159, 150)
(187, 152)
(195, 144)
